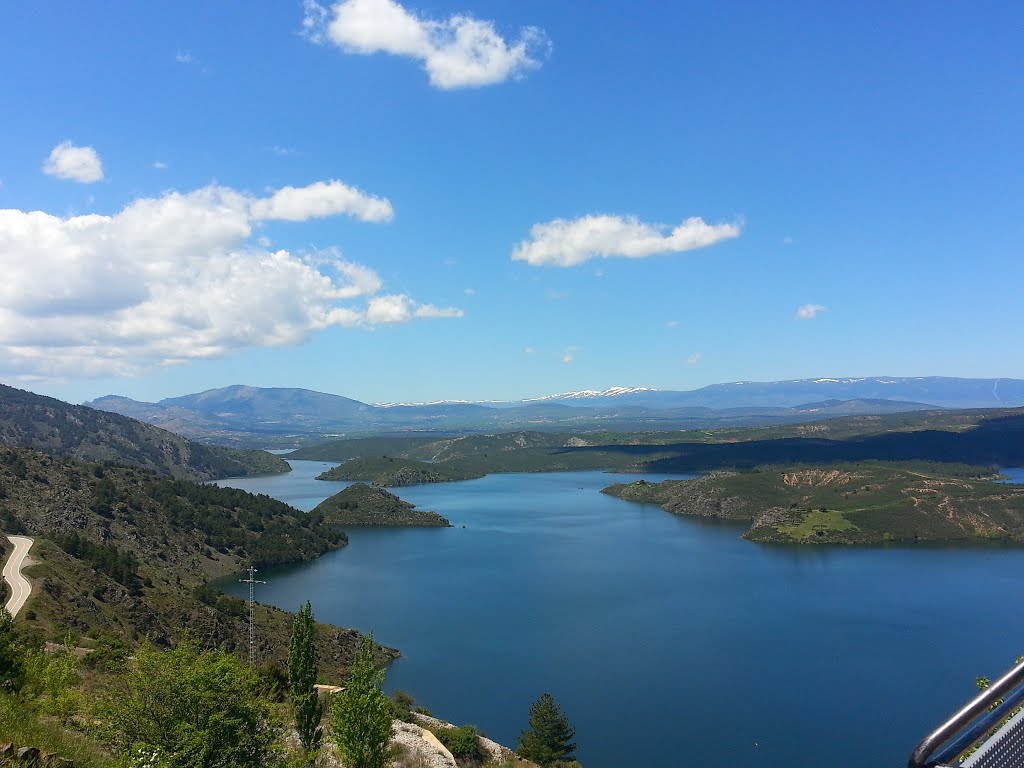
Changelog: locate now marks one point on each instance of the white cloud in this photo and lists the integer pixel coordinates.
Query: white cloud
(810, 311)
(694, 359)
(469, 291)
(672, 324)
(281, 151)
(184, 57)
(787, 240)
(175, 278)
(324, 198)
(529, 351)
(429, 310)
(566, 243)
(457, 52)
(66, 161)
(569, 355)
(160, 165)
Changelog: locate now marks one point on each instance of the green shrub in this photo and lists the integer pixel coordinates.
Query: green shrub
(402, 706)
(462, 742)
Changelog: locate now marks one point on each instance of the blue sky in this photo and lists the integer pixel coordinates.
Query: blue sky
(497, 200)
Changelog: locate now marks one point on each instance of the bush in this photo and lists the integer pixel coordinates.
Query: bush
(402, 706)
(196, 708)
(463, 743)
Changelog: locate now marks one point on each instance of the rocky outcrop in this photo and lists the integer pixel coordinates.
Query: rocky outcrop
(30, 757)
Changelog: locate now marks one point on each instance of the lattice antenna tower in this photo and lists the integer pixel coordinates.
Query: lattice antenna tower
(252, 582)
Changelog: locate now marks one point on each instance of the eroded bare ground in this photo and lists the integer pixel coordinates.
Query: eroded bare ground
(819, 477)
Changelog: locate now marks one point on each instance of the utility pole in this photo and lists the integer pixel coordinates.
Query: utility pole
(252, 582)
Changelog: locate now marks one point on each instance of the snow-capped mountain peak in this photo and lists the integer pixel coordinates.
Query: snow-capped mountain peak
(587, 394)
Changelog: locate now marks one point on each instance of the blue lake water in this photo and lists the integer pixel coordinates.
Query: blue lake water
(1014, 475)
(666, 640)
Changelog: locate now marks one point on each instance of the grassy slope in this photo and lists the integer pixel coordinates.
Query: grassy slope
(180, 536)
(868, 502)
(51, 426)
(361, 504)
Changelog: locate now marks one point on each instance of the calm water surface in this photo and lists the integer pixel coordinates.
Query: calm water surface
(667, 641)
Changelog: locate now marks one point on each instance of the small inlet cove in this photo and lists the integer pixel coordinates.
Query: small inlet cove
(667, 641)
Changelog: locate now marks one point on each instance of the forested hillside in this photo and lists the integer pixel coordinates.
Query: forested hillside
(54, 427)
(128, 553)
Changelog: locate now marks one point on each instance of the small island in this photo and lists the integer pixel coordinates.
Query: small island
(856, 503)
(363, 504)
(390, 472)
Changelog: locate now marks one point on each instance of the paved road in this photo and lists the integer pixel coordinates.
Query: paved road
(20, 588)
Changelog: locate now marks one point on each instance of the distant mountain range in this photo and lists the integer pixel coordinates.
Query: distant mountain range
(267, 416)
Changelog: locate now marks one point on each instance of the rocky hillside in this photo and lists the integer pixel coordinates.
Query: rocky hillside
(128, 553)
(57, 428)
(863, 503)
(362, 504)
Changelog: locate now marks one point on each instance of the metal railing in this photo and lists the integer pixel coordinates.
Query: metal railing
(975, 719)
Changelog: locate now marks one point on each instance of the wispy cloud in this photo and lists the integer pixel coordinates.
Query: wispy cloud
(185, 57)
(281, 151)
(672, 324)
(810, 311)
(160, 165)
(529, 351)
(457, 52)
(67, 161)
(694, 359)
(181, 277)
(569, 242)
(569, 355)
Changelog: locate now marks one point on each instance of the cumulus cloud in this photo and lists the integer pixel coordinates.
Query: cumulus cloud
(324, 198)
(810, 311)
(175, 278)
(567, 243)
(66, 161)
(457, 52)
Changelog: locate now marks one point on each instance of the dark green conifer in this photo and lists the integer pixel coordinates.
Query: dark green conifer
(550, 738)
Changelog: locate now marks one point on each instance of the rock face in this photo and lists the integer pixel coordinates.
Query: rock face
(414, 740)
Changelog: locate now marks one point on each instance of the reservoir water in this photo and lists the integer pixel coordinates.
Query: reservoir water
(668, 641)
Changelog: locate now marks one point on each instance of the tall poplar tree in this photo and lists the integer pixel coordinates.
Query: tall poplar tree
(361, 713)
(550, 738)
(302, 671)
